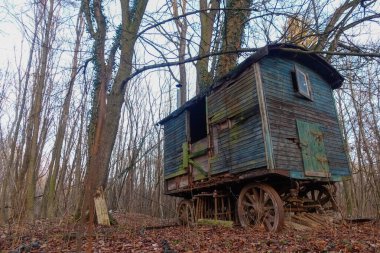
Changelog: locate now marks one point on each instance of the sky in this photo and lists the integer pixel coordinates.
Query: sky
(11, 32)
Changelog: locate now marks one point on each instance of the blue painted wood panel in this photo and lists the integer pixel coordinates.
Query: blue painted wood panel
(174, 137)
(285, 107)
(241, 145)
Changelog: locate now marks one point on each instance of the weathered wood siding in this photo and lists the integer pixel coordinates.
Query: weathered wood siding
(174, 136)
(235, 124)
(284, 107)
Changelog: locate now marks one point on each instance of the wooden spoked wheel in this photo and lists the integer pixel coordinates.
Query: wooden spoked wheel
(185, 213)
(261, 204)
(319, 195)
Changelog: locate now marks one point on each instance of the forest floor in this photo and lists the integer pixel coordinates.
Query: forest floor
(139, 233)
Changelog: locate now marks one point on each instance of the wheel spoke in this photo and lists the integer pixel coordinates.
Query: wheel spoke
(317, 194)
(323, 201)
(267, 208)
(250, 197)
(255, 195)
(269, 220)
(247, 204)
(267, 200)
(261, 196)
(313, 195)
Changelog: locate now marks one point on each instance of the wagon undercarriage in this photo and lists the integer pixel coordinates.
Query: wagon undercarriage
(258, 204)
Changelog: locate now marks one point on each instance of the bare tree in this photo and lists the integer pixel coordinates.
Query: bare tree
(29, 166)
(105, 116)
(49, 200)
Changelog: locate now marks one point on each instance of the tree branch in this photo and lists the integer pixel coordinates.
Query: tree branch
(243, 50)
(191, 13)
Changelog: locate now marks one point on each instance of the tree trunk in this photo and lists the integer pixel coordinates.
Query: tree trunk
(235, 21)
(104, 122)
(31, 154)
(347, 183)
(182, 30)
(78, 161)
(204, 76)
(17, 126)
(49, 205)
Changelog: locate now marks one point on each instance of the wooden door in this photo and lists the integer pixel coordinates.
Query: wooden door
(313, 149)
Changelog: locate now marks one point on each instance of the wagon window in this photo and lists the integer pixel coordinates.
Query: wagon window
(198, 126)
(302, 83)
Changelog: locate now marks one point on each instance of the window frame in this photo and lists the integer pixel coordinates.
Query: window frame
(302, 77)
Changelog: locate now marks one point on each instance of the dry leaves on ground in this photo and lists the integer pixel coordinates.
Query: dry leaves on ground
(139, 233)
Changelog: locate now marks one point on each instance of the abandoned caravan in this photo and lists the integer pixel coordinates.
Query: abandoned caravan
(263, 140)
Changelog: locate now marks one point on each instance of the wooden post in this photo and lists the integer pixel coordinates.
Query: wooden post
(101, 208)
(215, 195)
(229, 209)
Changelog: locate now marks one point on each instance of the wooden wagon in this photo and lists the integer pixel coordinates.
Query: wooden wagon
(263, 140)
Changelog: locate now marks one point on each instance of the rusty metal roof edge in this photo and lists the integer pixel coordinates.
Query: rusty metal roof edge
(298, 53)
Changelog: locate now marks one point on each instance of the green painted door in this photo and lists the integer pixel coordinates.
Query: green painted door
(313, 150)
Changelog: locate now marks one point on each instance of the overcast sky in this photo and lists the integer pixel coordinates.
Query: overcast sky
(11, 31)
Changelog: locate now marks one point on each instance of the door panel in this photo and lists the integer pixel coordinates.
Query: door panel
(313, 149)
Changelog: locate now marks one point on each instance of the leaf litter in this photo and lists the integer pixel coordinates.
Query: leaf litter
(142, 233)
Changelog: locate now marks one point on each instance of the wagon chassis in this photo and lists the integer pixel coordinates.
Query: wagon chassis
(254, 199)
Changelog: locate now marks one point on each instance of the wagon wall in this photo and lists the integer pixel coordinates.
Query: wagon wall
(174, 136)
(284, 107)
(235, 126)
